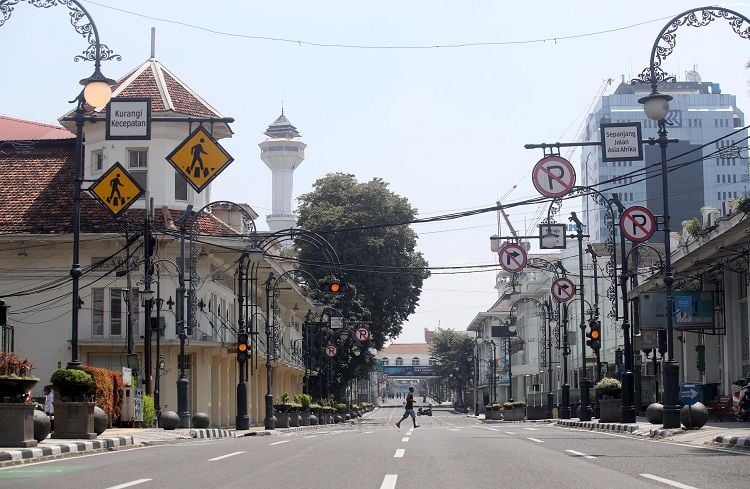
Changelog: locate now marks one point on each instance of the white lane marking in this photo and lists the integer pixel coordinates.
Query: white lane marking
(579, 454)
(399, 453)
(389, 481)
(534, 439)
(532, 429)
(278, 442)
(366, 432)
(454, 429)
(405, 439)
(224, 456)
(129, 484)
(509, 433)
(408, 433)
(306, 437)
(491, 429)
(667, 481)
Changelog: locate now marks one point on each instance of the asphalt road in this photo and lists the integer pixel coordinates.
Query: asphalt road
(446, 451)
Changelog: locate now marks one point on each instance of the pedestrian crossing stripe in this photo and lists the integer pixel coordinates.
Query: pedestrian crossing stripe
(116, 189)
(199, 158)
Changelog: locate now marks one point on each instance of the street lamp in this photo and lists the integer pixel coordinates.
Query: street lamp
(96, 93)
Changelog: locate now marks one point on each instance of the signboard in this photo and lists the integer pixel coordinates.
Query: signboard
(690, 394)
(331, 350)
(409, 370)
(336, 322)
(362, 334)
(503, 331)
(199, 158)
(563, 289)
(637, 223)
(621, 141)
(553, 176)
(692, 310)
(512, 257)
(552, 236)
(116, 189)
(648, 340)
(129, 118)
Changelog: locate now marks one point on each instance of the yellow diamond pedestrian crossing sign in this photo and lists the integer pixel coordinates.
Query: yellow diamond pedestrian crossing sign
(116, 189)
(199, 158)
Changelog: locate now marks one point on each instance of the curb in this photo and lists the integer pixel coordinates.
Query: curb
(617, 427)
(733, 441)
(211, 433)
(26, 454)
(501, 421)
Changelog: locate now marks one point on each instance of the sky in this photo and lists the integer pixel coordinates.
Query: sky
(435, 97)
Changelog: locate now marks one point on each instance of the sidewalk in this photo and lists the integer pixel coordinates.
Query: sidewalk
(730, 434)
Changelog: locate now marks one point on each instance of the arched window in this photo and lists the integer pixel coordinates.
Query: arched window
(433, 361)
(399, 361)
(415, 361)
(385, 360)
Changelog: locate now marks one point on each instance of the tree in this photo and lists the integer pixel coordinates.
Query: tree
(454, 359)
(380, 262)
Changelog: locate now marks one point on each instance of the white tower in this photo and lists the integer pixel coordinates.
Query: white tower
(282, 152)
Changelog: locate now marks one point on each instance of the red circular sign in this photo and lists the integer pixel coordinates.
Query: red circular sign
(553, 176)
(563, 289)
(331, 350)
(512, 257)
(637, 223)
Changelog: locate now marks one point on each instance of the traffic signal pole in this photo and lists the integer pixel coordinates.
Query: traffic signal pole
(242, 420)
(583, 383)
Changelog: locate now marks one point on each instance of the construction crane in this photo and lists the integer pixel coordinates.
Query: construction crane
(495, 243)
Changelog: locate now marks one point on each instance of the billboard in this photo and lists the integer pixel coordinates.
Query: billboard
(408, 370)
(691, 310)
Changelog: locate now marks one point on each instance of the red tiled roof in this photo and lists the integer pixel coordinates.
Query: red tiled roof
(406, 349)
(12, 129)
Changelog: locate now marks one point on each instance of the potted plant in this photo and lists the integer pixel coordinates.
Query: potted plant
(315, 414)
(514, 410)
(341, 409)
(16, 409)
(608, 392)
(282, 411)
(493, 411)
(74, 411)
(304, 401)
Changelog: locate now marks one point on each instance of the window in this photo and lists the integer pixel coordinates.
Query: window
(415, 361)
(385, 360)
(399, 361)
(97, 158)
(138, 158)
(718, 179)
(433, 361)
(180, 186)
(97, 312)
(115, 312)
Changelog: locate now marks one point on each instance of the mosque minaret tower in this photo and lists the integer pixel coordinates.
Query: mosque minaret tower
(282, 152)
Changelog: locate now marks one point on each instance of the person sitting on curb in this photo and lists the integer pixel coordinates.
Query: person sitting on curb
(409, 409)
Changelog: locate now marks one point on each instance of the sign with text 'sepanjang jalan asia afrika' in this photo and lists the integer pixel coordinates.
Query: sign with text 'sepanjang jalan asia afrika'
(116, 189)
(129, 118)
(621, 141)
(200, 158)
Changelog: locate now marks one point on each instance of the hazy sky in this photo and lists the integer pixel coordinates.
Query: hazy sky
(445, 126)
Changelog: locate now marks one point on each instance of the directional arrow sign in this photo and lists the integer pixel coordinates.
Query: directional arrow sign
(563, 289)
(637, 223)
(553, 176)
(689, 394)
(512, 257)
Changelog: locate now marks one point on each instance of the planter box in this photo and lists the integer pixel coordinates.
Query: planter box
(282, 420)
(293, 420)
(609, 410)
(493, 415)
(536, 412)
(17, 427)
(516, 414)
(74, 420)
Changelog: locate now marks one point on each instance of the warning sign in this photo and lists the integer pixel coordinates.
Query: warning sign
(200, 158)
(116, 189)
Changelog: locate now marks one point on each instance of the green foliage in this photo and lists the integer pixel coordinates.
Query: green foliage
(12, 366)
(315, 405)
(608, 388)
(64, 376)
(453, 353)
(340, 201)
(149, 412)
(341, 407)
(494, 407)
(693, 227)
(103, 389)
(303, 400)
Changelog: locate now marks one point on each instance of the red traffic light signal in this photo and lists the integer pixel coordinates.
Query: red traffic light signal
(333, 286)
(595, 335)
(243, 347)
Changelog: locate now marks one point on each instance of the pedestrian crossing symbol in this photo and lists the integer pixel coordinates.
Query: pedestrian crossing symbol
(199, 158)
(116, 189)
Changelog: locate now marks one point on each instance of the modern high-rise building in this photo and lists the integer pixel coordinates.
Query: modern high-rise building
(702, 177)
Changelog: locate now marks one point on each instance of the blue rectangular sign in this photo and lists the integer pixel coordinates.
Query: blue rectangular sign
(408, 370)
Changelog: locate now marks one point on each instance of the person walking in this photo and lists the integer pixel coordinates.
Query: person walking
(409, 409)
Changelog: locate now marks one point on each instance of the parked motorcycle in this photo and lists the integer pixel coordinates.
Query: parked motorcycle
(427, 411)
(741, 400)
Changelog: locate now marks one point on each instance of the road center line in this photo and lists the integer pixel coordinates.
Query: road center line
(129, 484)
(278, 442)
(534, 439)
(491, 429)
(405, 439)
(389, 481)
(667, 481)
(399, 453)
(579, 454)
(509, 433)
(224, 456)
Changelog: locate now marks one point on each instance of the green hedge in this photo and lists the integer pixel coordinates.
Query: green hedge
(149, 412)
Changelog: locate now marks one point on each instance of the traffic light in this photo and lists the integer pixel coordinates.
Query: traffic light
(243, 347)
(594, 335)
(333, 286)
